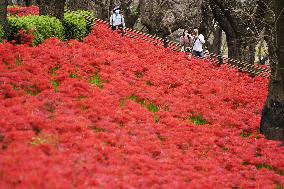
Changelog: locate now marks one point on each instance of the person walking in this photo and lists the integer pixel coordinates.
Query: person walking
(117, 20)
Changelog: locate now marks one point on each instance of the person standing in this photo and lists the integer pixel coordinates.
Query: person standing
(198, 42)
(186, 41)
(117, 20)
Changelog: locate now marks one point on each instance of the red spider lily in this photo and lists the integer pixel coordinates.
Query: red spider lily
(115, 112)
(23, 11)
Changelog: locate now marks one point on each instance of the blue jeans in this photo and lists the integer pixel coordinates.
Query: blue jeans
(198, 54)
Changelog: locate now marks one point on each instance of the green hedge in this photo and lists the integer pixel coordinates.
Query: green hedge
(77, 24)
(89, 17)
(43, 27)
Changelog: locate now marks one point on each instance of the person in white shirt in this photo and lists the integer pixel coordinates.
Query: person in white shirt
(198, 41)
(117, 20)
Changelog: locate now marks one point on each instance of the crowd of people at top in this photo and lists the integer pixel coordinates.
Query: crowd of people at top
(190, 42)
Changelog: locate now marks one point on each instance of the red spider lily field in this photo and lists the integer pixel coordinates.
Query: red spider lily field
(23, 11)
(116, 112)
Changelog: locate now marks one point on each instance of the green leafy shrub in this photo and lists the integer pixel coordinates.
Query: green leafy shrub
(89, 17)
(77, 24)
(42, 27)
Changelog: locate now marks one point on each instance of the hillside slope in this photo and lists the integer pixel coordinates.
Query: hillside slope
(114, 112)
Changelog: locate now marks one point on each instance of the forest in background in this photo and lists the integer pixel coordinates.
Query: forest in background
(239, 29)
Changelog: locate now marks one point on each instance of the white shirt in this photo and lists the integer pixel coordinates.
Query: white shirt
(197, 46)
(117, 19)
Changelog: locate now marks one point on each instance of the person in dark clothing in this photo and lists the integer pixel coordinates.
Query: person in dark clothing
(28, 3)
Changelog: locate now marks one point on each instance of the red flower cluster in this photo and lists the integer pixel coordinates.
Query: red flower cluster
(115, 112)
(23, 11)
(24, 37)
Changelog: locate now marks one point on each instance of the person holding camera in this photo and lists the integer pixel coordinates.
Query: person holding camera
(186, 41)
(198, 42)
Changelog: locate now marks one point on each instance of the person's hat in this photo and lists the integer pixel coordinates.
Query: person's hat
(116, 8)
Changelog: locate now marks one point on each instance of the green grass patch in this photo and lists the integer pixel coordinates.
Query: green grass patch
(55, 85)
(133, 97)
(18, 60)
(81, 97)
(198, 120)
(245, 163)
(139, 74)
(98, 129)
(152, 108)
(37, 141)
(122, 103)
(14, 86)
(245, 135)
(156, 119)
(31, 90)
(52, 71)
(72, 75)
(96, 80)
(44, 139)
(270, 168)
(278, 186)
(265, 166)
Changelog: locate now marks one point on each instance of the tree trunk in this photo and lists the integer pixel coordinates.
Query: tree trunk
(129, 15)
(259, 54)
(167, 16)
(272, 120)
(251, 53)
(225, 22)
(241, 33)
(3, 18)
(104, 9)
(52, 8)
(87, 5)
(234, 47)
(217, 42)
